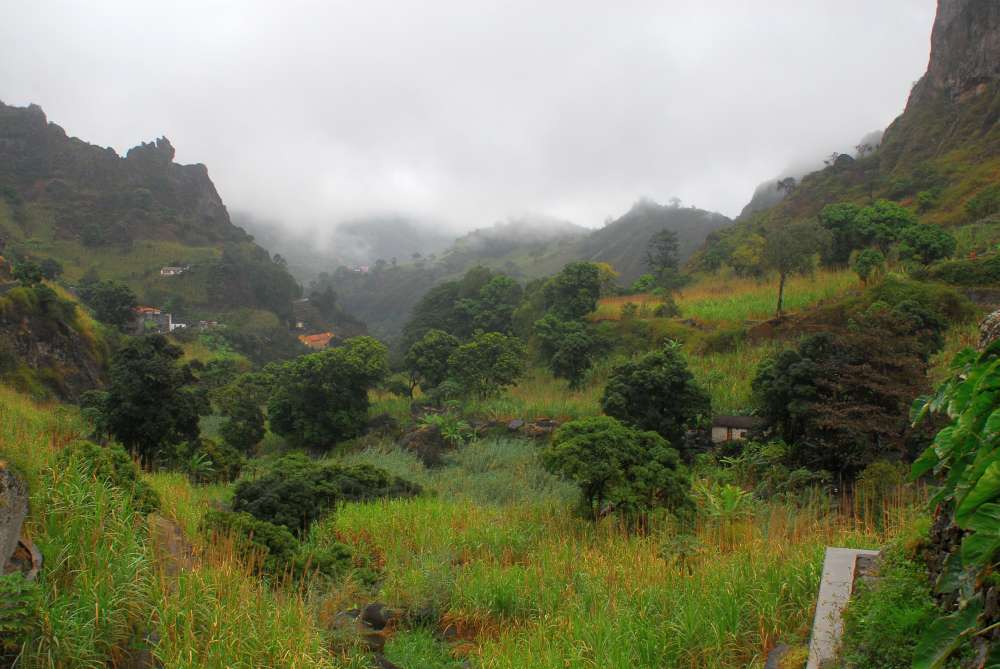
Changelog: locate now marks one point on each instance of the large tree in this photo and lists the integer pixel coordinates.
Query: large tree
(656, 392)
(151, 401)
(427, 360)
(322, 398)
(618, 467)
(113, 303)
(573, 292)
(487, 364)
(842, 398)
(791, 250)
(662, 258)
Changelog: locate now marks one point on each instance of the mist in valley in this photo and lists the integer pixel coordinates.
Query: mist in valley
(421, 123)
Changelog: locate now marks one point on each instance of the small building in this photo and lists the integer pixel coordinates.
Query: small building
(152, 319)
(733, 428)
(173, 271)
(318, 341)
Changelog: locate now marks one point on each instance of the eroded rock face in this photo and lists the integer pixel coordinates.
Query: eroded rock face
(13, 510)
(965, 49)
(989, 329)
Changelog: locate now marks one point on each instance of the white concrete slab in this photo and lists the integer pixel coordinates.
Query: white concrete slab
(835, 590)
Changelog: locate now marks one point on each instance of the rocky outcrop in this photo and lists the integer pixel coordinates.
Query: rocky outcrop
(965, 50)
(13, 510)
(144, 195)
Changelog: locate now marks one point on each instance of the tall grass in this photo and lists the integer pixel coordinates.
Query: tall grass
(729, 298)
(532, 586)
(727, 376)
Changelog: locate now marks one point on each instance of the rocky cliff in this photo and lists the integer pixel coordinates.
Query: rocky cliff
(144, 195)
(965, 50)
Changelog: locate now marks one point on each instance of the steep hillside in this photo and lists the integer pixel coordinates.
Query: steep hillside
(622, 243)
(941, 156)
(126, 217)
(49, 346)
(525, 249)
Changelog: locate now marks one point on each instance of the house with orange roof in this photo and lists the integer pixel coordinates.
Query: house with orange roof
(318, 341)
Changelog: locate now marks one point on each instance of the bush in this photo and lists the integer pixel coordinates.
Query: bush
(984, 203)
(277, 545)
(967, 272)
(887, 618)
(297, 491)
(322, 398)
(656, 392)
(618, 468)
(113, 465)
(20, 614)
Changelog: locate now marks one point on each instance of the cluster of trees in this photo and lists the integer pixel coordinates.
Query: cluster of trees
(879, 227)
(627, 461)
(153, 403)
(841, 398)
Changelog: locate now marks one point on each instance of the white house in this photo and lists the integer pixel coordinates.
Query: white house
(173, 271)
(732, 428)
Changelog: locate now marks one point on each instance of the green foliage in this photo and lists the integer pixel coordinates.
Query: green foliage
(20, 611)
(662, 258)
(28, 272)
(486, 365)
(644, 284)
(887, 618)
(209, 461)
(493, 309)
(925, 243)
(479, 300)
(842, 399)
(882, 223)
(966, 459)
(295, 491)
(984, 203)
(967, 271)
(722, 503)
(113, 303)
(322, 398)
(453, 429)
(845, 236)
(150, 402)
(656, 392)
(573, 292)
(276, 542)
(944, 301)
(790, 250)
(569, 348)
(629, 470)
(240, 405)
(112, 465)
(869, 264)
(427, 359)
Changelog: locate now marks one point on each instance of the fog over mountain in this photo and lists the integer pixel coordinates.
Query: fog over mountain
(466, 113)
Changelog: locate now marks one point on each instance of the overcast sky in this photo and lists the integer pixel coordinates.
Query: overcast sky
(468, 112)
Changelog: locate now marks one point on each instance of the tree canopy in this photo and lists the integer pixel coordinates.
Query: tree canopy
(322, 398)
(656, 392)
(618, 467)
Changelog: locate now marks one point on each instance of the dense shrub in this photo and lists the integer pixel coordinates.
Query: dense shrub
(886, 618)
(942, 300)
(984, 203)
(656, 392)
(112, 465)
(296, 490)
(618, 467)
(486, 365)
(842, 399)
(322, 398)
(967, 271)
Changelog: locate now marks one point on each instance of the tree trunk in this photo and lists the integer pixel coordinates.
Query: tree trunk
(781, 294)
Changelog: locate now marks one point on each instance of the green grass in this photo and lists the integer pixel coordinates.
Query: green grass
(727, 376)
(886, 619)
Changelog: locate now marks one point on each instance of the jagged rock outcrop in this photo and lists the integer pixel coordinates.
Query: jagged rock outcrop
(957, 101)
(13, 510)
(965, 50)
(144, 195)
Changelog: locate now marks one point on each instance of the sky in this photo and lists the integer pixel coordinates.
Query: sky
(464, 112)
